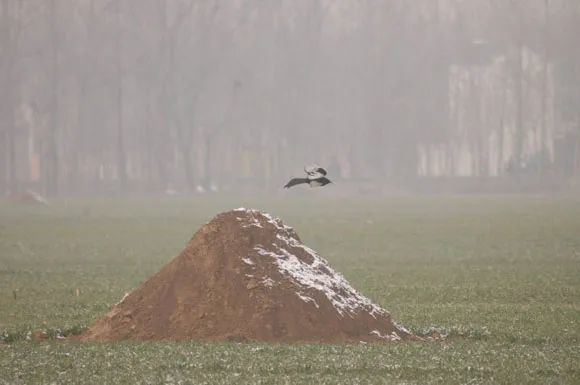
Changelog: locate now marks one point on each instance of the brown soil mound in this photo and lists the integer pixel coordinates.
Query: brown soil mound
(245, 276)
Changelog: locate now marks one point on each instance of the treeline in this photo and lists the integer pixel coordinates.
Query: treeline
(192, 95)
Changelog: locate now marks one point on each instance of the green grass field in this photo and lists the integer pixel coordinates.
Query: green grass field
(499, 275)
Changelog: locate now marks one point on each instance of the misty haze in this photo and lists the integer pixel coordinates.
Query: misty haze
(187, 96)
(289, 191)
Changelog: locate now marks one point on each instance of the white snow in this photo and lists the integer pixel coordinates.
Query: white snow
(315, 273)
(320, 276)
(253, 222)
(248, 261)
(307, 299)
(276, 222)
(254, 216)
(268, 282)
(389, 337)
(122, 299)
(401, 328)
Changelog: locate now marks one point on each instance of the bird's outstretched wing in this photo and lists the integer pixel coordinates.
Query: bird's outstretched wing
(319, 182)
(314, 171)
(295, 181)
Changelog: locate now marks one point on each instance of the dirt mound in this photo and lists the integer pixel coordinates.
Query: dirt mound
(245, 276)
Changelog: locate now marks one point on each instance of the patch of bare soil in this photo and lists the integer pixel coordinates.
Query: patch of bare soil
(245, 276)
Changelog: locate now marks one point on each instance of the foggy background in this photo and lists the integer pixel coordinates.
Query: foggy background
(167, 96)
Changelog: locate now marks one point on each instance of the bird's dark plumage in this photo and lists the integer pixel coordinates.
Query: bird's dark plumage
(315, 177)
(319, 182)
(295, 181)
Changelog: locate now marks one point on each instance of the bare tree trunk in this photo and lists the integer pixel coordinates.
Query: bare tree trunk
(82, 113)
(502, 133)
(576, 164)
(73, 179)
(212, 164)
(500, 143)
(519, 84)
(13, 178)
(188, 166)
(169, 95)
(121, 153)
(10, 27)
(52, 158)
(207, 162)
(5, 123)
(3, 160)
(148, 131)
(544, 93)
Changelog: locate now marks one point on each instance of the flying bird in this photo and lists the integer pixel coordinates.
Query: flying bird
(315, 177)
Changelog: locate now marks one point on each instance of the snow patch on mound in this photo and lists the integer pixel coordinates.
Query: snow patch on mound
(314, 274)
